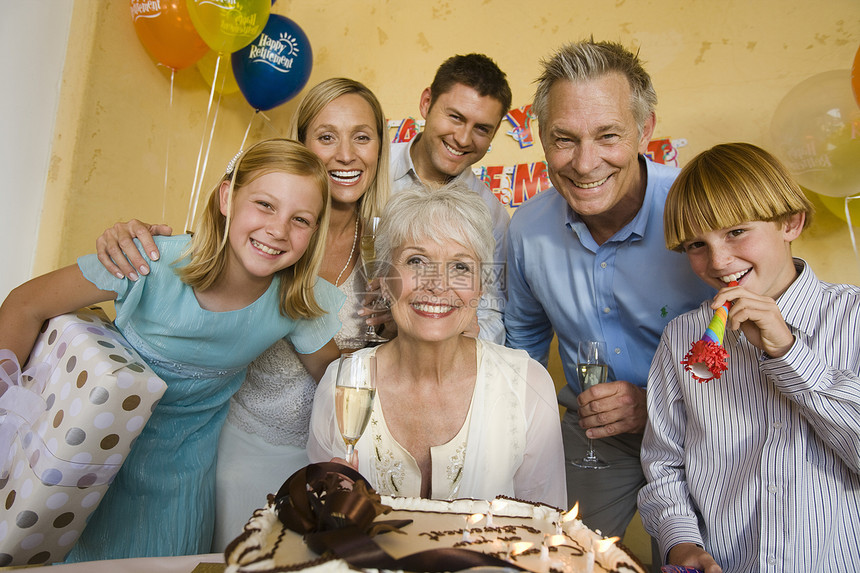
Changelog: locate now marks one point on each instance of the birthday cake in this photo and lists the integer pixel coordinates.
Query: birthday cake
(316, 529)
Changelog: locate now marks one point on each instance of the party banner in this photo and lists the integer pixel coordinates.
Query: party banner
(521, 118)
(664, 150)
(513, 185)
(405, 129)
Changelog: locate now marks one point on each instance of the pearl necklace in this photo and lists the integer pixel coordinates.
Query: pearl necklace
(351, 252)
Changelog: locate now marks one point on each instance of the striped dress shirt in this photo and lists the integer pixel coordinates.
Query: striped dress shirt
(761, 467)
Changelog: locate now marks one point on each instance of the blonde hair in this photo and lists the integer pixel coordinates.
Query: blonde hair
(726, 185)
(312, 104)
(208, 248)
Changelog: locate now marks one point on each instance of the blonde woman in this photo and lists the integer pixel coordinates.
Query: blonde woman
(263, 441)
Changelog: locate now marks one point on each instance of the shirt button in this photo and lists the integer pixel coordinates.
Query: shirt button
(606, 310)
(603, 265)
(771, 560)
(772, 488)
(617, 351)
(777, 425)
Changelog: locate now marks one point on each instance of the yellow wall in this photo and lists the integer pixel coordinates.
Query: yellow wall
(720, 69)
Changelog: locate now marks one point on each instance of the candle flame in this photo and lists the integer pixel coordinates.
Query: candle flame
(602, 545)
(554, 540)
(474, 518)
(521, 546)
(572, 514)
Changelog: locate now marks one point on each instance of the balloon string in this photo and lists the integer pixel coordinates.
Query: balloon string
(208, 148)
(223, 79)
(167, 147)
(257, 113)
(198, 176)
(248, 130)
(851, 228)
(268, 122)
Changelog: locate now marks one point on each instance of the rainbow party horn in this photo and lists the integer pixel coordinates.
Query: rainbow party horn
(707, 357)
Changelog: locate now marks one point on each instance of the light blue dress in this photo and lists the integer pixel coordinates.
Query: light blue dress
(162, 500)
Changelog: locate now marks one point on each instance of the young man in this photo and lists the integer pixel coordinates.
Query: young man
(462, 110)
(586, 261)
(759, 469)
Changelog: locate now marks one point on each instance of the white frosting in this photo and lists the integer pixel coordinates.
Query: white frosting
(266, 546)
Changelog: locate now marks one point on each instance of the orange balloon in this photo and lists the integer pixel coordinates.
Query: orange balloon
(855, 76)
(166, 31)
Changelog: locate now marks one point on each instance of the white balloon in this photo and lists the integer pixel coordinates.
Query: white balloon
(816, 132)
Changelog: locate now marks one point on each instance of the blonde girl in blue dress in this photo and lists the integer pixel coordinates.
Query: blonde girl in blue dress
(209, 306)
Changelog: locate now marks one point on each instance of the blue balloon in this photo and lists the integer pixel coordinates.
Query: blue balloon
(275, 66)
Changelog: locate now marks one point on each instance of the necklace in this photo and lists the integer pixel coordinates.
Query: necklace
(351, 252)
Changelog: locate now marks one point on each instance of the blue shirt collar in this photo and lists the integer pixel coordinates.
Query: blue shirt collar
(632, 231)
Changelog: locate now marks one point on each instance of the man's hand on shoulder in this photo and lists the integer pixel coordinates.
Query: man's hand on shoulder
(118, 253)
(613, 408)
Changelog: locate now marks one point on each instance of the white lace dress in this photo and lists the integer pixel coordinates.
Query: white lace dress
(263, 441)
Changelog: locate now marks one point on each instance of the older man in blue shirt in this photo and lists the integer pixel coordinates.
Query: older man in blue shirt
(587, 261)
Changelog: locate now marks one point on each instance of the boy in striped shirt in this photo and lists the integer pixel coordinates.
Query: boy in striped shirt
(758, 470)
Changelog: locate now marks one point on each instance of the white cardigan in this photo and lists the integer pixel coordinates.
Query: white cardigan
(513, 440)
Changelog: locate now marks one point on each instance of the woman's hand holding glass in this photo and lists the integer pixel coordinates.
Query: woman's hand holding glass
(355, 390)
(372, 298)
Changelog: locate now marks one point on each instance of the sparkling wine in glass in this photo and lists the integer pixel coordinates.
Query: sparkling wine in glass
(591, 368)
(353, 399)
(369, 266)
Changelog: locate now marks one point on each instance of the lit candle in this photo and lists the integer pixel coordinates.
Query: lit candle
(602, 546)
(470, 519)
(572, 514)
(490, 517)
(520, 547)
(571, 523)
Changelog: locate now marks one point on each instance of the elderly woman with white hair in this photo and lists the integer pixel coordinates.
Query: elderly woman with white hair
(454, 416)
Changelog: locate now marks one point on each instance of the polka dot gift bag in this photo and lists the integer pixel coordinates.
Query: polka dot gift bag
(67, 422)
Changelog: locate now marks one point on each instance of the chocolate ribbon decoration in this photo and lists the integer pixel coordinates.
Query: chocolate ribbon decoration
(315, 502)
(316, 499)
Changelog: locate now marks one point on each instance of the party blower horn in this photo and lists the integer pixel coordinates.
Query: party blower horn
(707, 357)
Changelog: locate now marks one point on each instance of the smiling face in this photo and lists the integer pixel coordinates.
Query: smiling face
(757, 254)
(592, 145)
(434, 289)
(274, 218)
(344, 137)
(459, 127)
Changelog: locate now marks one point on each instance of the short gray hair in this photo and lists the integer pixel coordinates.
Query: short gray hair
(588, 60)
(452, 211)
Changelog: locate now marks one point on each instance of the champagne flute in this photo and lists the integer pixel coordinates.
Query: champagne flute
(591, 368)
(353, 399)
(369, 265)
